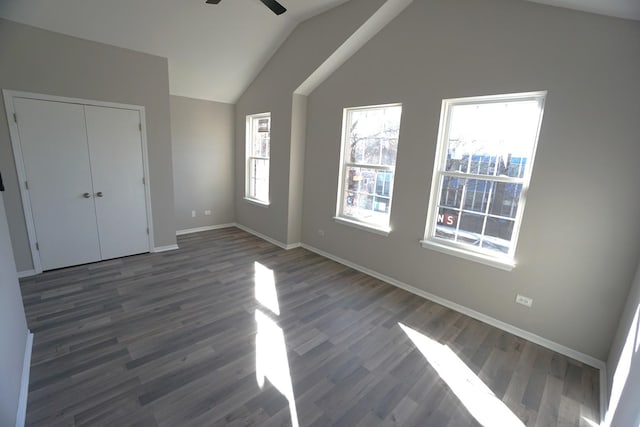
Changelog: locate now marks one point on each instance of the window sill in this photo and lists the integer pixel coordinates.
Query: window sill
(363, 226)
(501, 263)
(257, 202)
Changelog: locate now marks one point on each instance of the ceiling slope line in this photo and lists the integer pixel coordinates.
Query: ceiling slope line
(623, 9)
(379, 20)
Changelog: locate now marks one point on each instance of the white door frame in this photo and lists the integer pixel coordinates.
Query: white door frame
(9, 96)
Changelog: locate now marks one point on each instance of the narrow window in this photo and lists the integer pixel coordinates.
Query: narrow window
(257, 153)
(484, 159)
(368, 161)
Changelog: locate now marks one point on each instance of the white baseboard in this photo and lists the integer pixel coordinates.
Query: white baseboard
(267, 238)
(21, 415)
(551, 345)
(206, 228)
(165, 248)
(559, 348)
(26, 273)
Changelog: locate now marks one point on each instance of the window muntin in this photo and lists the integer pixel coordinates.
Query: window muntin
(486, 147)
(257, 157)
(369, 151)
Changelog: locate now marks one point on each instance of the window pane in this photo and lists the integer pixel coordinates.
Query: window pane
(498, 234)
(485, 137)
(452, 190)
(372, 151)
(447, 221)
(492, 138)
(259, 179)
(372, 135)
(471, 226)
(477, 195)
(257, 155)
(505, 200)
(389, 151)
(367, 195)
(383, 183)
(260, 137)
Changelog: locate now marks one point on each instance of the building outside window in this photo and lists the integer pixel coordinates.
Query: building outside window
(257, 157)
(484, 159)
(368, 161)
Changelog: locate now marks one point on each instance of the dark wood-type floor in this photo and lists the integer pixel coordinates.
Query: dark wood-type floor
(170, 340)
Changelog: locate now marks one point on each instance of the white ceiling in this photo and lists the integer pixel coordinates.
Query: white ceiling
(214, 51)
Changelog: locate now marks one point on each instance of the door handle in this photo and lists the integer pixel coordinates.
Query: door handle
(99, 194)
(87, 195)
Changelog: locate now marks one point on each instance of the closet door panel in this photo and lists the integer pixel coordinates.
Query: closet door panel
(115, 147)
(56, 160)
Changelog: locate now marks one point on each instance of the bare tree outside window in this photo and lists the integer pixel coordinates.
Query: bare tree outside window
(370, 147)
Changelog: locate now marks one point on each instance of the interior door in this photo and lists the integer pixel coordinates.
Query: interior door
(56, 159)
(115, 147)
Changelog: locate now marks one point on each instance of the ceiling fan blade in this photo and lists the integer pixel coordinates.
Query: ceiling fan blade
(212, 1)
(275, 7)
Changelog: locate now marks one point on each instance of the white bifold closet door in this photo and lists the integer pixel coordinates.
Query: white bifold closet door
(53, 138)
(115, 150)
(84, 171)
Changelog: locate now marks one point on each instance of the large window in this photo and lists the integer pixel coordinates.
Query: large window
(257, 162)
(486, 147)
(368, 161)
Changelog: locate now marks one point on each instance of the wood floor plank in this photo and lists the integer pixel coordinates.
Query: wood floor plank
(169, 339)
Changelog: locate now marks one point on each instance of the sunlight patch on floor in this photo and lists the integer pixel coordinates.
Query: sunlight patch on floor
(272, 362)
(479, 400)
(265, 288)
(590, 422)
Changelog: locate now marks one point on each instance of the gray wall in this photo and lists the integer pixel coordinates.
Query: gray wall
(272, 91)
(627, 412)
(580, 236)
(296, 167)
(41, 61)
(203, 169)
(13, 328)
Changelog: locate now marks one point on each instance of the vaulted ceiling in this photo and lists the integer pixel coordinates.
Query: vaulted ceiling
(214, 51)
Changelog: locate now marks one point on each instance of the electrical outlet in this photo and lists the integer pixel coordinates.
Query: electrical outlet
(193, 214)
(526, 301)
(207, 212)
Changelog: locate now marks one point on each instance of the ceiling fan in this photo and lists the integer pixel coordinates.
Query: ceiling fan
(275, 7)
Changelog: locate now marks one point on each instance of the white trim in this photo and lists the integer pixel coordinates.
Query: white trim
(147, 180)
(536, 339)
(26, 273)
(267, 238)
(14, 134)
(21, 415)
(492, 261)
(440, 163)
(248, 151)
(362, 226)
(559, 348)
(206, 228)
(344, 165)
(167, 248)
(604, 394)
(257, 202)
(376, 22)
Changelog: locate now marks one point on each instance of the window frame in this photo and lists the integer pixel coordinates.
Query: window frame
(460, 249)
(249, 157)
(352, 221)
